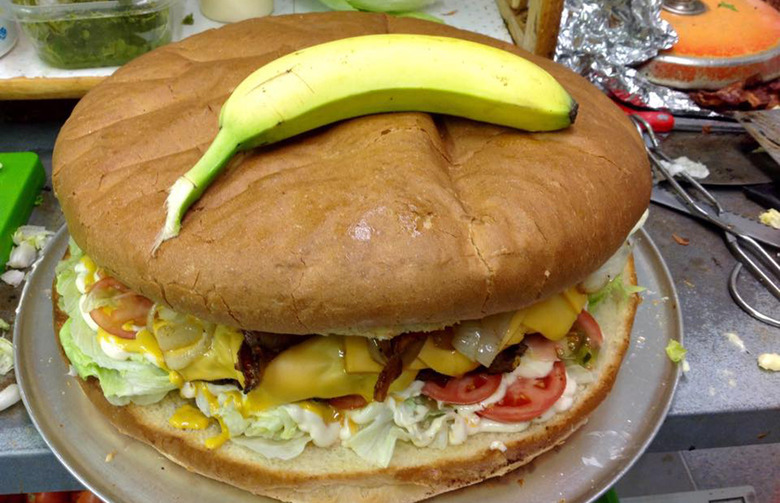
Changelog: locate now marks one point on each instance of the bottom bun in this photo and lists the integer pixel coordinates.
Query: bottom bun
(338, 474)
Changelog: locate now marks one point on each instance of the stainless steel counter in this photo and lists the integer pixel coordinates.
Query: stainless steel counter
(724, 400)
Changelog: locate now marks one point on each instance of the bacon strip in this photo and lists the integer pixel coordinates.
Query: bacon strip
(507, 360)
(400, 352)
(257, 351)
(748, 94)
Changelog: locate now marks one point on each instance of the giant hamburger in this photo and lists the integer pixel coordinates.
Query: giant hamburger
(380, 310)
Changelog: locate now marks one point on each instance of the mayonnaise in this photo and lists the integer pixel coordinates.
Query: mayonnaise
(322, 434)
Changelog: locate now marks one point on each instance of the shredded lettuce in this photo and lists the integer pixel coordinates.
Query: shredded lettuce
(275, 424)
(6, 356)
(4, 325)
(139, 383)
(376, 442)
(337, 4)
(134, 380)
(675, 351)
(616, 287)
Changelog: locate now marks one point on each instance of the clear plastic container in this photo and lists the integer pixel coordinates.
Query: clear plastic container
(84, 34)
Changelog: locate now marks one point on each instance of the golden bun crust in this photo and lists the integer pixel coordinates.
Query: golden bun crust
(337, 474)
(431, 219)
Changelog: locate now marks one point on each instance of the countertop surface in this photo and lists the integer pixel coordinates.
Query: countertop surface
(725, 399)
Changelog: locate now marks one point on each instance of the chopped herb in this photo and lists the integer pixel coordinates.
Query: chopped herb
(675, 351)
(95, 38)
(725, 5)
(189, 19)
(38, 200)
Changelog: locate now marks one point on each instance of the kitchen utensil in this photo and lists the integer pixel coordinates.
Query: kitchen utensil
(767, 195)
(729, 157)
(663, 122)
(742, 246)
(744, 225)
(21, 179)
(729, 41)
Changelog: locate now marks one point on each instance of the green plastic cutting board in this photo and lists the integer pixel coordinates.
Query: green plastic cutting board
(21, 179)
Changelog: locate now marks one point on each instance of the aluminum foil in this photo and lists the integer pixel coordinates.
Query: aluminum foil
(604, 40)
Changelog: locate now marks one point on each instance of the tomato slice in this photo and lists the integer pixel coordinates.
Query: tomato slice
(590, 327)
(130, 307)
(348, 402)
(527, 399)
(471, 388)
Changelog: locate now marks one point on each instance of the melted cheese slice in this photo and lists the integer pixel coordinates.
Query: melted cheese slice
(334, 366)
(315, 368)
(221, 359)
(554, 316)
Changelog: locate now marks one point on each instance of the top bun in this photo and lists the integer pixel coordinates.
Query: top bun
(377, 225)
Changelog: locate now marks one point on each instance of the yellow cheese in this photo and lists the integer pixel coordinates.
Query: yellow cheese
(314, 369)
(143, 344)
(188, 417)
(327, 413)
(554, 317)
(444, 360)
(358, 359)
(219, 362)
(217, 440)
(356, 356)
(176, 378)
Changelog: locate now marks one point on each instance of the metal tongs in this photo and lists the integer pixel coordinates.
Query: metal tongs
(741, 245)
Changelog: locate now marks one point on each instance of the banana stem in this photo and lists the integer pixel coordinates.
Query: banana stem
(188, 188)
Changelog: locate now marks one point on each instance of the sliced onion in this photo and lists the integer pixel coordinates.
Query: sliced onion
(541, 348)
(480, 340)
(376, 351)
(179, 330)
(607, 272)
(177, 359)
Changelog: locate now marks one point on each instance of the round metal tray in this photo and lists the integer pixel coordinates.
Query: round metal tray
(120, 469)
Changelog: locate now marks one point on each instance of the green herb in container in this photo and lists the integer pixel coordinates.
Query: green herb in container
(83, 34)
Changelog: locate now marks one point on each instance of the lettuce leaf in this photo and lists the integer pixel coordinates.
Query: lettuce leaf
(337, 4)
(390, 5)
(140, 384)
(401, 8)
(275, 424)
(135, 380)
(376, 442)
(675, 351)
(616, 287)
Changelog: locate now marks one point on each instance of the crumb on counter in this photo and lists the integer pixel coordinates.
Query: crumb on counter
(110, 456)
(769, 361)
(736, 341)
(685, 165)
(771, 218)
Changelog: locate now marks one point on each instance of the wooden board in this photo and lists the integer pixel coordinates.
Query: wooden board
(24, 76)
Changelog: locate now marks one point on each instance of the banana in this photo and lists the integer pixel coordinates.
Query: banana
(373, 74)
